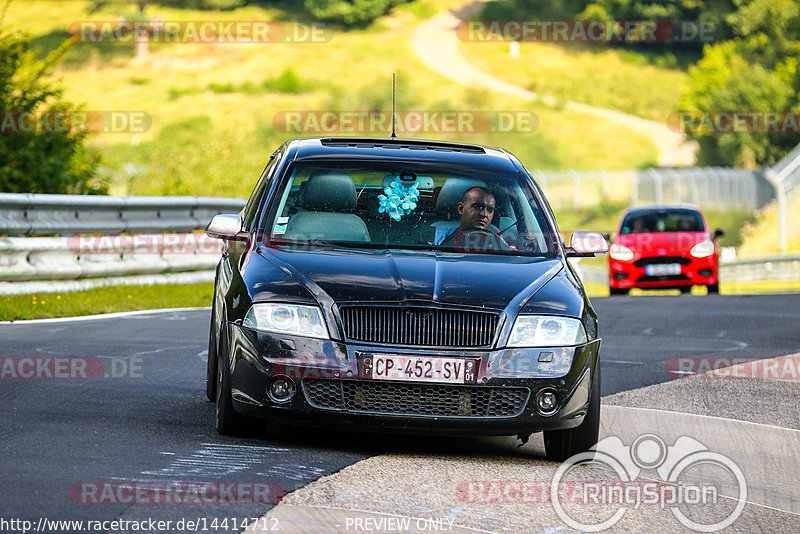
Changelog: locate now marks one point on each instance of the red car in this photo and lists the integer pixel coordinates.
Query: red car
(664, 247)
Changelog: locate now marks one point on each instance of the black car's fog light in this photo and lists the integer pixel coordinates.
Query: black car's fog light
(281, 389)
(547, 401)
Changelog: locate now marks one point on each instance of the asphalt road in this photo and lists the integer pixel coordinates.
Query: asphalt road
(140, 415)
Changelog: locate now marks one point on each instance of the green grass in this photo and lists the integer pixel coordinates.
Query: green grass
(620, 79)
(212, 105)
(104, 300)
(760, 238)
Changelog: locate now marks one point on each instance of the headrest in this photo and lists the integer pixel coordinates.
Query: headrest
(451, 193)
(329, 191)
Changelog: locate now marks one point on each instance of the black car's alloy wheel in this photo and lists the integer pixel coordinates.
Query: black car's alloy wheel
(561, 444)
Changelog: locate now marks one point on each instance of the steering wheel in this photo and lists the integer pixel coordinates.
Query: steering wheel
(476, 239)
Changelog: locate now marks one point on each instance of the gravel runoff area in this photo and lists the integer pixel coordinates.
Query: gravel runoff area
(426, 486)
(730, 392)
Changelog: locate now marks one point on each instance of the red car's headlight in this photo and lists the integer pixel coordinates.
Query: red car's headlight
(620, 252)
(703, 250)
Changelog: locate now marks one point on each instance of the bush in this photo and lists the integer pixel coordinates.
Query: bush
(53, 162)
(349, 12)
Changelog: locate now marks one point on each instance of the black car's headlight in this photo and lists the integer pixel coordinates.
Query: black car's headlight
(546, 331)
(287, 319)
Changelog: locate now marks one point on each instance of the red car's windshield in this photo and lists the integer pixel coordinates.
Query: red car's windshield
(646, 222)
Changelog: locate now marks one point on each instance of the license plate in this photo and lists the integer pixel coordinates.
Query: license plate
(422, 369)
(663, 269)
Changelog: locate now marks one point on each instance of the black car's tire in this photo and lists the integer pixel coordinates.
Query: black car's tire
(685, 289)
(227, 421)
(211, 366)
(618, 291)
(713, 288)
(561, 444)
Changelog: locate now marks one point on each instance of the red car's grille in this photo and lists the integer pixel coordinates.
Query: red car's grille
(655, 260)
(665, 278)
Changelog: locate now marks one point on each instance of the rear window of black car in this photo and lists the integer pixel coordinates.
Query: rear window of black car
(405, 205)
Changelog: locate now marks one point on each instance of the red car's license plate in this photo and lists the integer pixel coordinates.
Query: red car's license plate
(663, 269)
(422, 369)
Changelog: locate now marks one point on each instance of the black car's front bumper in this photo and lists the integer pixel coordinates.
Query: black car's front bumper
(333, 389)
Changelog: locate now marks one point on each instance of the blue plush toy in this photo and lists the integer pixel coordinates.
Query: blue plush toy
(398, 199)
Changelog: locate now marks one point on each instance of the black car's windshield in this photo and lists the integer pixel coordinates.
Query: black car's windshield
(673, 220)
(402, 205)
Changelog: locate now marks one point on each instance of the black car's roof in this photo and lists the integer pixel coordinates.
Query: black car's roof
(411, 149)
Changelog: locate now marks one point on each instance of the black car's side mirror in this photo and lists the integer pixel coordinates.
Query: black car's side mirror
(227, 226)
(719, 232)
(587, 244)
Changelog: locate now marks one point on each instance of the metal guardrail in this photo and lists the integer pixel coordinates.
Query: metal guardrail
(783, 268)
(33, 214)
(40, 264)
(71, 258)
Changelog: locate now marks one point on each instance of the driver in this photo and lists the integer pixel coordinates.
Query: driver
(476, 209)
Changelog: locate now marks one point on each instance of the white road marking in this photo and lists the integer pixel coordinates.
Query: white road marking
(216, 459)
(105, 316)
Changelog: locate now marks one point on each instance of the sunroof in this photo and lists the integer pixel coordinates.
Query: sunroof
(397, 144)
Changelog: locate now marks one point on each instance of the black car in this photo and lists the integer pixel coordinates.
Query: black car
(403, 286)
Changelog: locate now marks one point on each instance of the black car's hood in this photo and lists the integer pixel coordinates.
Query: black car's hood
(341, 276)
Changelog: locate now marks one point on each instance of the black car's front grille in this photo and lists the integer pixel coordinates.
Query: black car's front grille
(657, 260)
(398, 398)
(419, 326)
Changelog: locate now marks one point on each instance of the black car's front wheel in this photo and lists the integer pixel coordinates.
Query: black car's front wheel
(227, 421)
(561, 444)
(211, 367)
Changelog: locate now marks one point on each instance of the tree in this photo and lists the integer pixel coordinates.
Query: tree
(50, 162)
(755, 71)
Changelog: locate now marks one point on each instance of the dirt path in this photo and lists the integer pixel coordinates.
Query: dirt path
(436, 44)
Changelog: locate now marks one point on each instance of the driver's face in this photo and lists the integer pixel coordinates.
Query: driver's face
(476, 210)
